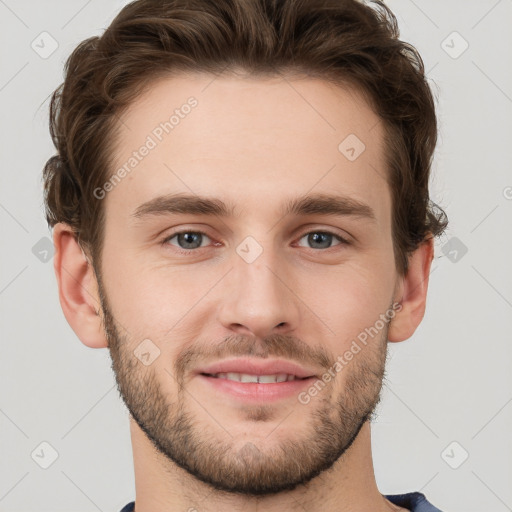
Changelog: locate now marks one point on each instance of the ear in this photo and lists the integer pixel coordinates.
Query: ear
(412, 293)
(78, 288)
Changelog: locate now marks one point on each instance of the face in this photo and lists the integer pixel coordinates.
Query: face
(247, 252)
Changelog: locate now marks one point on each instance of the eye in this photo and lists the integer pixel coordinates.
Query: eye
(186, 240)
(323, 239)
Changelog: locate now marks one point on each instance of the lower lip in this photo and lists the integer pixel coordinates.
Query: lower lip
(256, 392)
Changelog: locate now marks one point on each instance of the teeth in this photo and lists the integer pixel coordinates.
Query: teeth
(245, 377)
(263, 379)
(269, 379)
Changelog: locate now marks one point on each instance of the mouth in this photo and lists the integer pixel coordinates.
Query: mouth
(249, 368)
(259, 379)
(254, 380)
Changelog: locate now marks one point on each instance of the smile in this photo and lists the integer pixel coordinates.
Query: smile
(260, 379)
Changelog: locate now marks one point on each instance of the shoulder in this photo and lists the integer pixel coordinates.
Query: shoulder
(414, 501)
(128, 508)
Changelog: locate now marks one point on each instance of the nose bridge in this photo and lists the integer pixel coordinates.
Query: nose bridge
(258, 299)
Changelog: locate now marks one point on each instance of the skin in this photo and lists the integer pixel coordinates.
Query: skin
(255, 143)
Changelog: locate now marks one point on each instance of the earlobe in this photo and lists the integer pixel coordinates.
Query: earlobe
(412, 293)
(78, 289)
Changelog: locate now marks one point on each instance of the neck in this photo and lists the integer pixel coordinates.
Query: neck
(348, 486)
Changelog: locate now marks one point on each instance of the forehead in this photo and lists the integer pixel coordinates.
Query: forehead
(242, 139)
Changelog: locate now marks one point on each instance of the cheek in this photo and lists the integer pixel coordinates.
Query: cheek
(347, 299)
(154, 301)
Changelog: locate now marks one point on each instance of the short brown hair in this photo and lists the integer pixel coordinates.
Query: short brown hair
(343, 41)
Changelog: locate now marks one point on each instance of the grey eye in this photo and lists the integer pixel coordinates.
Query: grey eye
(321, 239)
(188, 239)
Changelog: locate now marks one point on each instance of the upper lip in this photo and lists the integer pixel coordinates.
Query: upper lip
(257, 367)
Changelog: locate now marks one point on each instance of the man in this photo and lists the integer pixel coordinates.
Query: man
(241, 215)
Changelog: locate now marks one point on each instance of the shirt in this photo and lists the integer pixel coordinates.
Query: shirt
(413, 501)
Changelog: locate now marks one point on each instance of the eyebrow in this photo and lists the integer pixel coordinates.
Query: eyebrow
(315, 204)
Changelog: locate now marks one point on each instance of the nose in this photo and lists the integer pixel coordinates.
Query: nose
(258, 298)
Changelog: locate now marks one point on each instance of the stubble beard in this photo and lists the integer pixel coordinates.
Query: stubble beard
(208, 453)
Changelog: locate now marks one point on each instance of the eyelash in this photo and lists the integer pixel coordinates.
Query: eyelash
(188, 252)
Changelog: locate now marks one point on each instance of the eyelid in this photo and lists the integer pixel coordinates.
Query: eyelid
(342, 240)
(344, 237)
(175, 233)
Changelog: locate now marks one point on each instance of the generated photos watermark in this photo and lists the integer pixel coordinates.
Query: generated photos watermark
(342, 360)
(152, 140)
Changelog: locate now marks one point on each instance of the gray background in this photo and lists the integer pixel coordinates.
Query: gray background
(449, 389)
